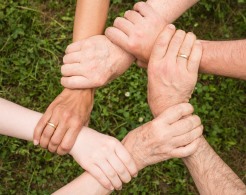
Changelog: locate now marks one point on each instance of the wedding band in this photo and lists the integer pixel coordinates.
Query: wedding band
(51, 124)
(183, 56)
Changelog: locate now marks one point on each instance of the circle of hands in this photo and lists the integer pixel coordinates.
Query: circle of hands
(172, 59)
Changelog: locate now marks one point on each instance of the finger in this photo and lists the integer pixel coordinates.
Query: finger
(48, 131)
(74, 57)
(161, 44)
(124, 25)
(68, 141)
(185, 125)
(57, 137)
(74, 47)
(120, 168)
(40, 126)
(195, 57)
(117, 37)
(143, 8)
(142, 64)
(176, 112)
(98, 174)
(126, 158)
(185, 49)
(75, 69)
(77, 82)
(111, 174)
(175, 44)
(133, 16)
(189, 137)
(185, 151)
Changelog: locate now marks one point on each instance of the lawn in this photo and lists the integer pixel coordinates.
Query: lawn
(34, 35)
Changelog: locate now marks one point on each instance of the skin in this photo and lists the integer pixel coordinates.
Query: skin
(166, 67)
(147, 144)
(136, 33)
(77, 73)
(71, 109)
(153, 142)
(209, 172)
(170, 135)
(104, 157)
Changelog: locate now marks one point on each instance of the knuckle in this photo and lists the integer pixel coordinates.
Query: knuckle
(52, 149)
(67, 114)
(106, 183)
(139, 5)
(127, 180)
(121, 171)
(200, 129)
(112, 174)
(119, 186)
(55, 141)
(197, 119)
(178, 36)
(65, 147)
(132, 44)
(185, 153)
(127, 13)
(191, 35)
(117, 21)
(161, 41)
(188, 124)
(46, 134)
(188, 138)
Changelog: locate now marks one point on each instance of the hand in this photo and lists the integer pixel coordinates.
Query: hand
(170, 135)
(171, 78)
(104, 157)
(137, 31)
(93, 62)
(68, 113)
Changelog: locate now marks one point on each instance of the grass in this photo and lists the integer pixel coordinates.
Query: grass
(34, 35)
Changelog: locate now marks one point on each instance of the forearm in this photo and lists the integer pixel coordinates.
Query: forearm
(19, 122)
(226, 58)
(90, 18)
(211, 174)
(170, 10)
(84, 184)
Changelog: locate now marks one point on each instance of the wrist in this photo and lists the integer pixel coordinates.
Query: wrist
(202, 150)
(159, 7)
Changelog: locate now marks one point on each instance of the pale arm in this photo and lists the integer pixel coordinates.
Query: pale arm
(226, 58)
(19, 122)
(171, 10)
(211, 174)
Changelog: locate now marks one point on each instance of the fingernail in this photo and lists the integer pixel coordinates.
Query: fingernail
(111, 188)
(35, 142)
(171, 26)
(135, 175)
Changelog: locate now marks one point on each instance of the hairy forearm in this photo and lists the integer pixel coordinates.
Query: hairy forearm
(170, 10)
(226, 58)
(211, 174)
(90, 18)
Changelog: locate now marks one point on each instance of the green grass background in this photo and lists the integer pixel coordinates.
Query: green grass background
(33, 37)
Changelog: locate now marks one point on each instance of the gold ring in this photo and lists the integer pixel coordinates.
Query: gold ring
(51, 124)
(183, 56)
